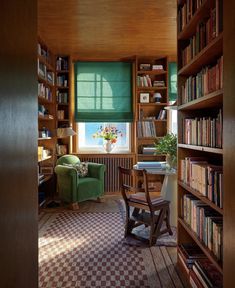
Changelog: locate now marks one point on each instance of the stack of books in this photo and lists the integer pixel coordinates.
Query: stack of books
(151, 165)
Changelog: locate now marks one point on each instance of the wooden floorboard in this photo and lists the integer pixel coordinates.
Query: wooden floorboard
(161, 268)
(171, 268)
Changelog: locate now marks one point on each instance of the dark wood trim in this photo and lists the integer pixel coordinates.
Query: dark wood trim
(19, 132)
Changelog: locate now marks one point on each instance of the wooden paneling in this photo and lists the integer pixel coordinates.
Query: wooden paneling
(108, 28)
(18, 144)
(229, 143)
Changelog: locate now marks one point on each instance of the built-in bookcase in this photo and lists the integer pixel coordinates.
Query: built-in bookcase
(200, 136)
(46, 113)
(62, 102)
(151, 98)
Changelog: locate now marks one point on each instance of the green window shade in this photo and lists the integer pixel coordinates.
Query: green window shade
(103, 92)
(172, 81)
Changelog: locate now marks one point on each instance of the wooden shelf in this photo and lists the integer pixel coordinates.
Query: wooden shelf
(44, 159)
(151, 88)
(44, 179)
(191, 27)
(44, 118)
(62, 87)
(45, 62)
(46, 82)
(62, 71)
(212, 51)
(44, 138)
(213, 99)
(43, 100)
(204, 248)
(62, 120)
(153, 104)
(152, 72)
(201, 197)
(150, 155)
(201, 148)
(62, 104)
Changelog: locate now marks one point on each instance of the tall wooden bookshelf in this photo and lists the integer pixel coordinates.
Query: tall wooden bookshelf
(62, 102)
(151, 122)
(46, 112)
(200, 143)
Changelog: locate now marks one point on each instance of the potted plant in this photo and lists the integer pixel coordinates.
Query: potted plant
(168, 146)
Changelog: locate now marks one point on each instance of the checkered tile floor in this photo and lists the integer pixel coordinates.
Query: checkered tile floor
(87, 250)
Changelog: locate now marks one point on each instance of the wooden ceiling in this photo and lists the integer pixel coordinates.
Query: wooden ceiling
(108, 28)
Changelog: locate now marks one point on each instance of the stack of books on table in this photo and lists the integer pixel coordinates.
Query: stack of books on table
(151, 165)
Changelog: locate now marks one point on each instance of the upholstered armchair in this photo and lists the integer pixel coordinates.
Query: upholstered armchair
(74, 187)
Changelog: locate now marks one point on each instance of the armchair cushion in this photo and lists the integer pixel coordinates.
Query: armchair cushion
(81, 168)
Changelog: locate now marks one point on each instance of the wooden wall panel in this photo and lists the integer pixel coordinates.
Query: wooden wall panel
(229, 143)
(18, 144)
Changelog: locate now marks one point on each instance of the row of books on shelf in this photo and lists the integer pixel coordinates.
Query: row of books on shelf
(208, 80)
(202, 273)
(45, 74)
(62, 80)
(45, 53)
(148, 67)
(44, 91)
(203, 131)
(205, 222)
(205, 33)
(62, 64)
(160, 116)
(186, 12)
(62, 97)
(146, 81)
(205, 178)
(146, 129)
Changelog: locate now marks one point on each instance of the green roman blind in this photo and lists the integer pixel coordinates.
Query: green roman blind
(172, 81)
(103, 92)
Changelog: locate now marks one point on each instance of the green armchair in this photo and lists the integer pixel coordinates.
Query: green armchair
(72, 188)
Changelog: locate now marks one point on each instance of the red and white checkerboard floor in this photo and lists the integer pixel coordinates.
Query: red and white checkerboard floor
(87, 250)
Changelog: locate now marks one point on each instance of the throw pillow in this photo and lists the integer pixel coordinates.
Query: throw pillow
(81, 168)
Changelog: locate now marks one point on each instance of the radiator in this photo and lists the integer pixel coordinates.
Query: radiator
(111, 184)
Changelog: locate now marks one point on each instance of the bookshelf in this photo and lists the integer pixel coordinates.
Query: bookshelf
(200, 143)
(151, 98)
(46, 106)
(46, 119)
(62, 102)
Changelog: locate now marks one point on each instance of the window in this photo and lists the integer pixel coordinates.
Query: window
(87, 143)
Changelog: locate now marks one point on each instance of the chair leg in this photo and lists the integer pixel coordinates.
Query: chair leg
(100, 200)
(159, 222)
(168, 221)
(74, 206)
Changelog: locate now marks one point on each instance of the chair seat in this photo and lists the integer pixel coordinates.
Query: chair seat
(141, 198)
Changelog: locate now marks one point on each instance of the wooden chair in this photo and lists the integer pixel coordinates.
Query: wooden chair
(147, 210)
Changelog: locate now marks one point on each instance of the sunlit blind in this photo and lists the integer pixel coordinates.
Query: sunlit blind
(103, 92)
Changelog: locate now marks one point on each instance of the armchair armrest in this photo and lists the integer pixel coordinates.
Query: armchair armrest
(96, 170)
(67, 181)
(65, 170)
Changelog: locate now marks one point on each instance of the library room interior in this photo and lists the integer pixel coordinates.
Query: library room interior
(118, 153)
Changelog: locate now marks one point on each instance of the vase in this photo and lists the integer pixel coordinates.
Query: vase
(108, 146)
(170, 162)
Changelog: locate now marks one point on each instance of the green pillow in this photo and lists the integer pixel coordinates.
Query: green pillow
(81, 168)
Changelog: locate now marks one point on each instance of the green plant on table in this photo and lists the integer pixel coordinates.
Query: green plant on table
(168, 145)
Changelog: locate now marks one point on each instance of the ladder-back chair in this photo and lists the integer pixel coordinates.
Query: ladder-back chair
(147, 210)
